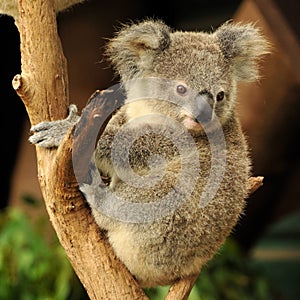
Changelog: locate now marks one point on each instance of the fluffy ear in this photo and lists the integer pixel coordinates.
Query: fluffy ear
(242, 46)
(132, 51)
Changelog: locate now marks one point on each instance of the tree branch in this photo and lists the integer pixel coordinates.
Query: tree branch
(43, 87)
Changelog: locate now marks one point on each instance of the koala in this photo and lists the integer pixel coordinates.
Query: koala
(175, 159)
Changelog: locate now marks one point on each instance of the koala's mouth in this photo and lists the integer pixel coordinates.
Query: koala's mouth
(191, 123)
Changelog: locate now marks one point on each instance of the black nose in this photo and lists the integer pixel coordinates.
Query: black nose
(204, 108)
(204, 116)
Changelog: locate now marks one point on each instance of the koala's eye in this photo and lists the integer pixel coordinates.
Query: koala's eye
(181, 89)
(220, 96)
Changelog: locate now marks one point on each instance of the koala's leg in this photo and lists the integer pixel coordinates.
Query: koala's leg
(50, 134)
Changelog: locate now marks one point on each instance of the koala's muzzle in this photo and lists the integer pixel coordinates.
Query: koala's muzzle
(203, 110)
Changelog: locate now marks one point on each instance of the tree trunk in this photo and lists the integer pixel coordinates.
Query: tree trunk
(43, 87)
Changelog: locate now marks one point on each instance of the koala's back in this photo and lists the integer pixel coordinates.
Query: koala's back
(178, 244)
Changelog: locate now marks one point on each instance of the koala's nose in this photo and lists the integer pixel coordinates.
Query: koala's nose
(204, 109)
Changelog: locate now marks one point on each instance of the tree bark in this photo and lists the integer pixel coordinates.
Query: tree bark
(43, 87)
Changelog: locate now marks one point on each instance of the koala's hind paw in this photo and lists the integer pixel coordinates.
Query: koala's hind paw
(50, 134)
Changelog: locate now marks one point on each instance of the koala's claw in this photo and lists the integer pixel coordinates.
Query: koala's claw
(73, 110)
(40, 126)
(50, 134)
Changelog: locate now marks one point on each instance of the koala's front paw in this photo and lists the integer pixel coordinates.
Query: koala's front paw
(94, 190)
(50, 134)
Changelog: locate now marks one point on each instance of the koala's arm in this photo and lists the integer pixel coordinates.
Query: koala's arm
(49, 134)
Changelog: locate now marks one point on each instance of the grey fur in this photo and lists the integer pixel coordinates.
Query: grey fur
(50, 134)
(159, 250)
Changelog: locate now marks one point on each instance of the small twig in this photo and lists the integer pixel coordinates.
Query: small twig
(255, 183)
(181, 289)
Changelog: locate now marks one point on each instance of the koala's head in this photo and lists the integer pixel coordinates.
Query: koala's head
(200, 68)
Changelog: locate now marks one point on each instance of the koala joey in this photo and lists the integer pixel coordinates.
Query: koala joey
(179, 129)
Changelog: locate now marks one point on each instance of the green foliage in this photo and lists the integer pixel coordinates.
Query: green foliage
(33, 265)
(230, 275)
